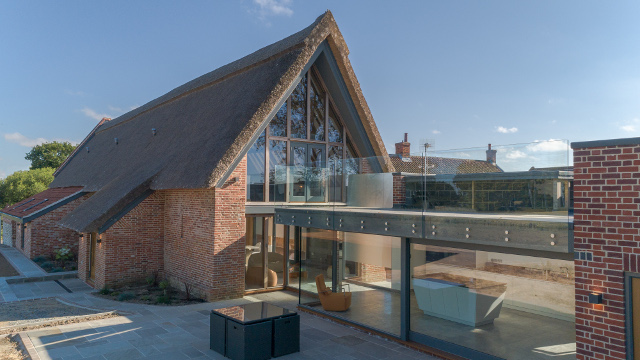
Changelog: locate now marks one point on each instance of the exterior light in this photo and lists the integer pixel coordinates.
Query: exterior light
(595, 298)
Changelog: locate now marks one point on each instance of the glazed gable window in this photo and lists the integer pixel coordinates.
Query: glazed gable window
(307, 120)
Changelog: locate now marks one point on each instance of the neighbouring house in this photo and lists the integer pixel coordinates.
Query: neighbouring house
(185, 185)
(32, 227)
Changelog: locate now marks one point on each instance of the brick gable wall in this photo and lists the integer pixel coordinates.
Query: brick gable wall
(130, 250)
(606, 225)
(46, 235)
(133, 246)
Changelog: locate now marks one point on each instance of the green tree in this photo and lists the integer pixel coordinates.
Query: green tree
(49, 155)
(22, 184)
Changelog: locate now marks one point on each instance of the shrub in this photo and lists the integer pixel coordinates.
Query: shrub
(164, 285)
(105, 291)
(47, 265)
(115, 293)
(58, 269)
(163, 300)
(40, 259)
(152, 279)
(144, 297)
(63, 255)
(126, 296)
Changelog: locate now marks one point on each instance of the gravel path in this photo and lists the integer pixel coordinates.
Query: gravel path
(19, 315)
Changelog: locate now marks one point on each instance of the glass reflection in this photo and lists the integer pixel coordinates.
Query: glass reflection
(256, 170)
(299, 110)
(277, 170)
(278, 125)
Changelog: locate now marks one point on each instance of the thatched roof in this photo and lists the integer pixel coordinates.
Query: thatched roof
(201, 128)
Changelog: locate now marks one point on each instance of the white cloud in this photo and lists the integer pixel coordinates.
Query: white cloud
(274, 7)
(504, 130)
(436, 132)
(22, 140)
(551, 145)
(93, 114)
(515, 154)
(631, 126)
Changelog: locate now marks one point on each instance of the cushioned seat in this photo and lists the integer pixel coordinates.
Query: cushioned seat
(332, 301)
(255, 275)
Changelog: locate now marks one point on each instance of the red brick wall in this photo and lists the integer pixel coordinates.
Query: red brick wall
(399, 190)
(193, 236)
(132, 248)
(188, 237)
(204, 238)
(606, 225)
(229, 236)
(46, 235)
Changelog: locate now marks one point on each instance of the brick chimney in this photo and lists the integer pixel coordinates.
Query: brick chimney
(491, 156)
(404, 148)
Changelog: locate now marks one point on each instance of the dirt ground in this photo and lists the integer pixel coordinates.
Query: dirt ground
(6, 269)
(21, 314)
(10, 350)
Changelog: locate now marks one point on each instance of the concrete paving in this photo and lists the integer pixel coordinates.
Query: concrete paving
(171, 332)
(24, 265)
(182, 332)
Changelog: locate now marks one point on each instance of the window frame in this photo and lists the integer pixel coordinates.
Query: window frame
(628, 300)
(329, 106)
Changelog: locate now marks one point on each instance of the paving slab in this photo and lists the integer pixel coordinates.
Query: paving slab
(162, 332)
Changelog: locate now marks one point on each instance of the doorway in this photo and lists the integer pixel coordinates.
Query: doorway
(265, 258)
(308, 167)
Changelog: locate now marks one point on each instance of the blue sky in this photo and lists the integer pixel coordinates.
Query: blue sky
(462, 73)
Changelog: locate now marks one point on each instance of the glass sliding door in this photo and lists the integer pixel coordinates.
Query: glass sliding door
(264, 253)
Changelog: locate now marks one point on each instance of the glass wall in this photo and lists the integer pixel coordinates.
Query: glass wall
(506, 305)
(474, 245)
(359, 269)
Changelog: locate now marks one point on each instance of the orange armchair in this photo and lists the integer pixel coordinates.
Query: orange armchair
(332, 301)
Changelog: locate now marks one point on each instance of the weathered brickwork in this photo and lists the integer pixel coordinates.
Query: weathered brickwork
(372, 273)
(189, 236)
(606, 224)
(229, 237)
(44, 235)
(133, 246)
(128, 251)
(204, 238)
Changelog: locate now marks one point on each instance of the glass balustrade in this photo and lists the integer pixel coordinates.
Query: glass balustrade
(474, 244)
